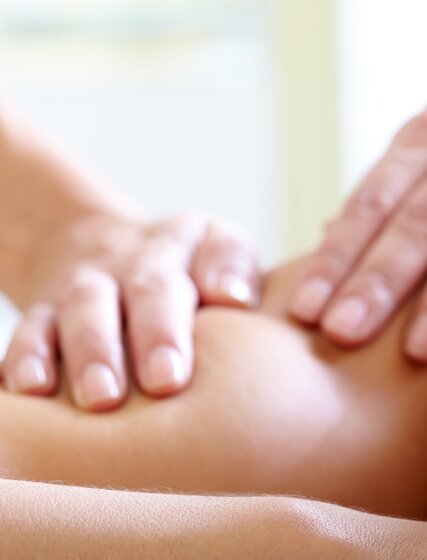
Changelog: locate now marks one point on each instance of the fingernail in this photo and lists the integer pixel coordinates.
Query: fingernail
(416, 344)
(310, 298)
(29, 374)
(231, 286)
(97, 385)
(346, 318)
(164, 371)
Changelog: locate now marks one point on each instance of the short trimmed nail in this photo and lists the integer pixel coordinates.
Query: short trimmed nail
(310, 299)
(29, 374)
(164, 370)
(231, 286)
(416, 344)
(97, 385)
(346, 318)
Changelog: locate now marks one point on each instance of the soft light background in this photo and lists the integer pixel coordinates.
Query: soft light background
(263, 111)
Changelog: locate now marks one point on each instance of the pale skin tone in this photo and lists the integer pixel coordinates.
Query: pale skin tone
(67, 257)
(375, 253)
(309, 419)
(81, 266)
(88, 523)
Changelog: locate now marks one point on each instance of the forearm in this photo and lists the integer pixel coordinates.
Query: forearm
(43, 521)
(41, 192)
(47, 521)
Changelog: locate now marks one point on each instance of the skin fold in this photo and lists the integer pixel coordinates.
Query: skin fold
(271, 409)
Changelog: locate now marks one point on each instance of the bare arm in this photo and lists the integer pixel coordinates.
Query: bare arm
(40, 521)
(41, 192)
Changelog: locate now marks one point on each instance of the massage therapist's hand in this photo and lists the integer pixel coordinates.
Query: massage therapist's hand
(107, 271)
(375, 254)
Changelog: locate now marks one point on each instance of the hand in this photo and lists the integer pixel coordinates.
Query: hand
(107, 272)
(375, 254)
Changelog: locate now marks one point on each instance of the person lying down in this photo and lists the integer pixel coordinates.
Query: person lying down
(272, 411)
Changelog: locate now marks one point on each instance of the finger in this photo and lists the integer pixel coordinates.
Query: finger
(380, 194)
(390, 271)
(160, 301)
(30, 365)
(415, 341)
(90, 340)
(226, 270)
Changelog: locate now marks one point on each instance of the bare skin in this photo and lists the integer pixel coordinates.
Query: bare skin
(271, 409)
(45, 522)
(78, 261)
(374, 254)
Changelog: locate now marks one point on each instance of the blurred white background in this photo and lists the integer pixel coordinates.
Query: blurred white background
(383, 78)
(184, 103)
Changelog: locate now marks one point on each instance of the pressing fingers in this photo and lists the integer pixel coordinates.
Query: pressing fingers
(90, 325)
(380, 195)
(30, 363)
(160, 304)
(225, 269)
(391, 270)
(415, 341)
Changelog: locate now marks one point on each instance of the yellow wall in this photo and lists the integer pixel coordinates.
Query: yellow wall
(306, 44)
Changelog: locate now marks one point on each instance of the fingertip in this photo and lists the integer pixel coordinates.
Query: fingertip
(348, 320)
(416, 360)
(164, 373)
(226, 269)
(229, 288)
(97, 389)
(416, 340)
(310, 299)
(30, 376)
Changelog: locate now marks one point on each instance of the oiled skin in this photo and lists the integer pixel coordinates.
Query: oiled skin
(272, 409)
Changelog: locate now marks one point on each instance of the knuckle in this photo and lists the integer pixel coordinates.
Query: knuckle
(162, 333)
(77, 292)
(373, 204)
(158, 245)
(147, 283)
(164, 248)
(333, 259)
(82, 285)
(91, 340)
(186, 226)
(375, 285)
(412, 223)
(24, 343)
(27, 341)
(229, 251)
